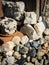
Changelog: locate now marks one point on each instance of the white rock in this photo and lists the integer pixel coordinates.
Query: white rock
(24, 40)
(9, 24)
(39, 27)
(21, 6)
(16, 39)
(9, 53)
(30, 18)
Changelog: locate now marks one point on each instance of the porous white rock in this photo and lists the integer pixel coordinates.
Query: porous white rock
(46, 32)
(9, 24)
(30, 18)
(24, 40)
(39, 27)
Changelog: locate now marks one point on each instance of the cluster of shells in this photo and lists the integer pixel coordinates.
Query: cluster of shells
(33, 47)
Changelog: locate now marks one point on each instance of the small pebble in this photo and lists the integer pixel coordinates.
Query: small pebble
(24, 40)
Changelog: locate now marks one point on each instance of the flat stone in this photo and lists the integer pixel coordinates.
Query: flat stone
(46, 32)
(39, 27)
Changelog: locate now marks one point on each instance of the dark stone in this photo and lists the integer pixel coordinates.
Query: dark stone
(21, 61)
(32, 52)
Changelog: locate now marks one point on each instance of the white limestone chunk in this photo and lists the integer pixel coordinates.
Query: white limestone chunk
(30, 18)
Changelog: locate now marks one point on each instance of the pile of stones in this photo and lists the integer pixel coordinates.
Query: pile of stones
(33, 47)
